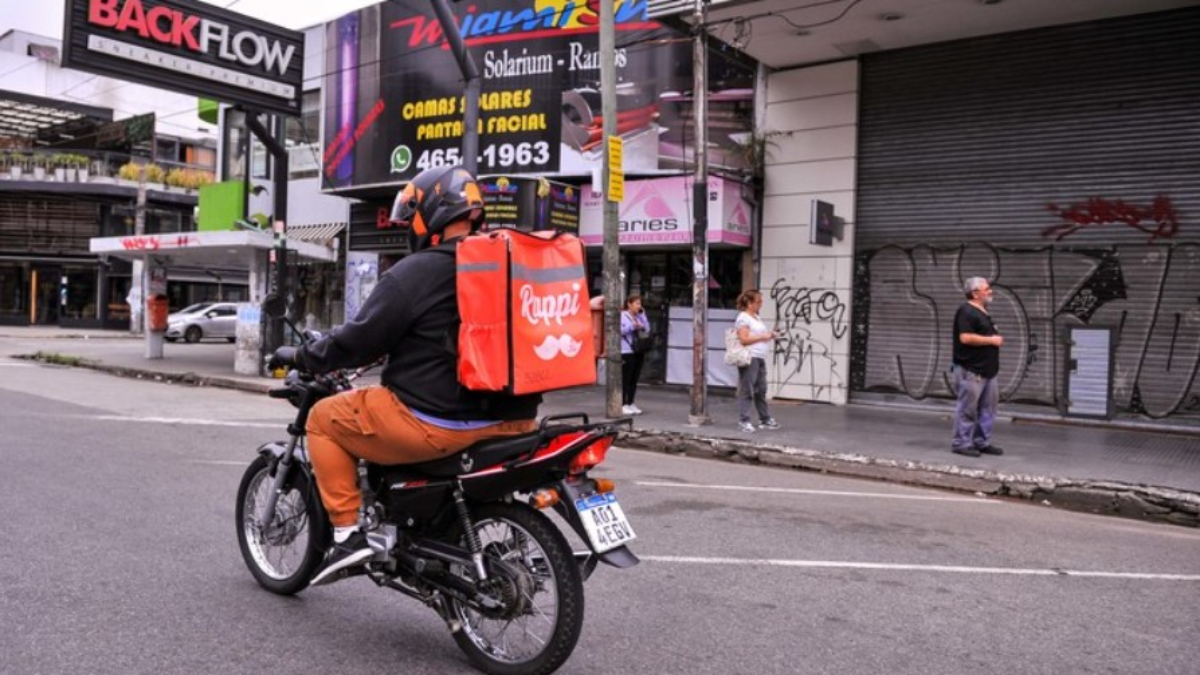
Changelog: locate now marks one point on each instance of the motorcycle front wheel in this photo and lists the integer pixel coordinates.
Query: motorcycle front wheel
(532, 571)
(283, 554)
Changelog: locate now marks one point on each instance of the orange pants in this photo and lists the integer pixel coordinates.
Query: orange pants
(372, 424)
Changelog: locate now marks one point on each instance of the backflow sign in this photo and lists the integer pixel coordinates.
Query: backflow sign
(189, 47)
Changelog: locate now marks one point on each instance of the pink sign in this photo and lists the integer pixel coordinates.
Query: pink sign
(658, 211)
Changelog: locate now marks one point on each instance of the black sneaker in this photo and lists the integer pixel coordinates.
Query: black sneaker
(350, 553)
(991, 450)
(969, 452)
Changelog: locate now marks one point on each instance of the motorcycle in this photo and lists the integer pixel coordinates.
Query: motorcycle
(467, 534)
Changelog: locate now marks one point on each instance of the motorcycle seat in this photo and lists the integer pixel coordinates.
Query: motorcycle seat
(485, 453)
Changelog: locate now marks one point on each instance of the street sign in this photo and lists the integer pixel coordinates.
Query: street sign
(187, 46)
(616, 174)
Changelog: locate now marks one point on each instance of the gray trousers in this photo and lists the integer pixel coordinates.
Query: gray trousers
(975, 411)
(752, 386)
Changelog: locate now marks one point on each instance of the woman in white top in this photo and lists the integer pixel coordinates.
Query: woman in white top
(752, 379)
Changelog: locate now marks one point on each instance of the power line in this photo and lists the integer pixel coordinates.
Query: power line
(780, 14)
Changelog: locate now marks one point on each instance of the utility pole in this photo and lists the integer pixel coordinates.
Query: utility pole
(699, 393)
(470, 142)
(137, 293)
(614, 291)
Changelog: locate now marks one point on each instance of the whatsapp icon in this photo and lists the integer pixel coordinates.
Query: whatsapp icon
(401, 159)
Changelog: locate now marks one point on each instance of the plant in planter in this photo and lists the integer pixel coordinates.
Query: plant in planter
(129, 171)
(155, 174)
(202, 178)
(38, 164)
(188, 179)
(58, 164)
(177, 178)
(756, 147)
(16, 162)
(82, 164)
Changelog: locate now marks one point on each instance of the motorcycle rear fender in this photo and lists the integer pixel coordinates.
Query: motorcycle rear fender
(620, 557)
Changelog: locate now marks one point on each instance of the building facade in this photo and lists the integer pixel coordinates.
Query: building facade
(67, 140)
(1060, 163)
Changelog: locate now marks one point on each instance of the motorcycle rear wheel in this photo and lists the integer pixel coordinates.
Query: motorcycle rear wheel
(531, 566)
(282, 556)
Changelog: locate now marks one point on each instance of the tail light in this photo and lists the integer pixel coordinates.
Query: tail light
(591, 456)
(604, 485)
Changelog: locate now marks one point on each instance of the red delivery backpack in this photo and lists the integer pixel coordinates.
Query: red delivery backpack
(526, 318)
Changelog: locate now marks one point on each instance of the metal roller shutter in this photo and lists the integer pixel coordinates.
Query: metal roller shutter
(1064, 165)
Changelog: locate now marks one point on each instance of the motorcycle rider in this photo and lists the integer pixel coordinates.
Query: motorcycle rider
(419, 412)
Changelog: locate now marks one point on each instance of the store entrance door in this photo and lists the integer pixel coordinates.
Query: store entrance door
(647, 277)
(45, 288)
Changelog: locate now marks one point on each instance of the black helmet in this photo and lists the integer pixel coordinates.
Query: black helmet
(434, 199)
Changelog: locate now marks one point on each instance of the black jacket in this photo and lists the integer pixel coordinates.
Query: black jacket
(412, 317)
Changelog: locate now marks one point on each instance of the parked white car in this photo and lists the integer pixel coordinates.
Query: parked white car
(203, 320)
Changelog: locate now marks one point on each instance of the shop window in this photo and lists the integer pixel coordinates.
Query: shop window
(725, 279)
(303, 136)
(14, 296)
(234, 143)
(116, 306)
(166, 150)
(80, 294)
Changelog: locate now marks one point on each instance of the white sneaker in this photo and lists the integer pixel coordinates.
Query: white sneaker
(628, 410)
(746, 427)
(636, 410)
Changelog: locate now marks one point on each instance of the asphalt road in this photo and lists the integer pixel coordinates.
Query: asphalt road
(118, 555)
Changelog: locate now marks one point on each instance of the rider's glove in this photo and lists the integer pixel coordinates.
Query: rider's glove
(284, 357)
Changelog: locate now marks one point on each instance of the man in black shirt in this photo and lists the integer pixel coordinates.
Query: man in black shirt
(976, 362)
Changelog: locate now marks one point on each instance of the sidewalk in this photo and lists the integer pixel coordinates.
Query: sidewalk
(1134, 473)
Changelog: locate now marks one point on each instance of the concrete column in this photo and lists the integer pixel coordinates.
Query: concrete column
(248, 355)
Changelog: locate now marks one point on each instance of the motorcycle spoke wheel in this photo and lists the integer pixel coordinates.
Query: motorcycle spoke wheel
(282, 554)
(532, 572)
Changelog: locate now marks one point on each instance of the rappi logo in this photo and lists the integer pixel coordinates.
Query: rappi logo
(188, 31)
(554, 307)
(546, 18)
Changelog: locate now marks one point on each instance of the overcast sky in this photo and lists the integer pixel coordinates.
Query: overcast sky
(45, 17)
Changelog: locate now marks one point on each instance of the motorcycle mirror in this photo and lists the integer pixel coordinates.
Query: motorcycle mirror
(274, 306)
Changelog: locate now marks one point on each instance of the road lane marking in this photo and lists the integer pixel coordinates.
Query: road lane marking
(834, 493)
(185, 421)
(901, 567)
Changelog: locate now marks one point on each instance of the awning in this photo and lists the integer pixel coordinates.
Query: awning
(34, 117)
(227, 249)
(323, 233)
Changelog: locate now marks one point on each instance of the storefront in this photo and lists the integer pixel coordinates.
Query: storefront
(394, 107)
(47, 275)
(655, 222)
(1062, 164)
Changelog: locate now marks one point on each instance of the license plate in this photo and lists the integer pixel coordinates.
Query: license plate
(604, 521)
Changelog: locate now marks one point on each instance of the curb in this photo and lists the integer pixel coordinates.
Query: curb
(1140, 502)
(186, 378)
(1112, 498)
(73, 336)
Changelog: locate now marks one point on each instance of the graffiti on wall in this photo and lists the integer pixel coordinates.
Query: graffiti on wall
(1157, 220)
(905, 301)
(809, 322)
